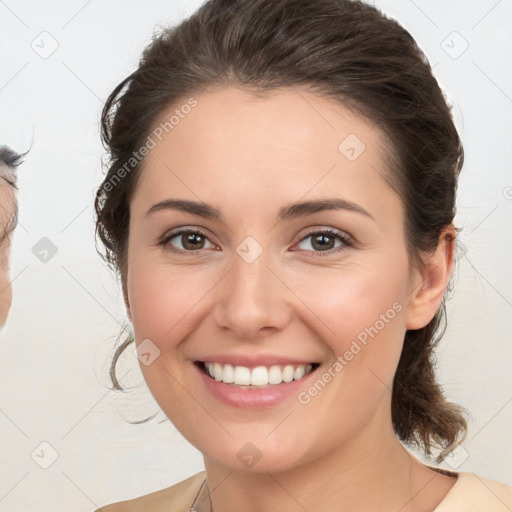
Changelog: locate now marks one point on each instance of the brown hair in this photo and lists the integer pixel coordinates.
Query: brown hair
(341, 49)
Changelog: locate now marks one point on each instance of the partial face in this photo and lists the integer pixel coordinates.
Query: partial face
(7, 210)
(324, 291)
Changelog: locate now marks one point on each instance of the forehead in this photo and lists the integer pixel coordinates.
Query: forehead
(284, 144)
(290, 118)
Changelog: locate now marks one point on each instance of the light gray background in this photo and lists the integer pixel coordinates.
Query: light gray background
(66, 311)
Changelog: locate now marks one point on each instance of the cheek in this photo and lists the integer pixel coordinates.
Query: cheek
(363, 325)
(347, 304)
(360, 314)
(163, 299)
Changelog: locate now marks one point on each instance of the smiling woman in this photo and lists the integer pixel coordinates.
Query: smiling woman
(284, 248)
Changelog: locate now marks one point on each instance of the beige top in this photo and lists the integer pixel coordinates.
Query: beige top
(470, 493)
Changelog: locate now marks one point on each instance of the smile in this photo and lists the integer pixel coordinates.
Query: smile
(257, 377)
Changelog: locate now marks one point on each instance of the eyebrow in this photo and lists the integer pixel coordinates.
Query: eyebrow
(291, 211)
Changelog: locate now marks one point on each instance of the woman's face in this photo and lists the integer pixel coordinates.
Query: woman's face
(256, 290)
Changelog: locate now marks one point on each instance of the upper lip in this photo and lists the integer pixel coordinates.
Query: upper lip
(254, 361)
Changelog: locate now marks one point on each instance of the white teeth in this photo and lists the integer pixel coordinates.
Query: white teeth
(299, 372)
(229, 374)
(242, 376)
(217, 371)
(288, 373)
(275, 376)
(258, 376)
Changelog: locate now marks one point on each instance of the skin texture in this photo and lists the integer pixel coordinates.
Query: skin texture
(7, 207)
(249, 157)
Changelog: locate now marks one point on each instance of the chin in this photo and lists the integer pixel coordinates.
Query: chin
(255, 455)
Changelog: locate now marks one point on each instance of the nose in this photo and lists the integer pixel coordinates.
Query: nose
(253, 299)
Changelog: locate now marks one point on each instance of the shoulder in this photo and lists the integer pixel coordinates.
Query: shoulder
(474, 493)
(177, 498)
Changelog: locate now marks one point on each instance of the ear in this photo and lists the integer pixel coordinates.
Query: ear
(430, 285)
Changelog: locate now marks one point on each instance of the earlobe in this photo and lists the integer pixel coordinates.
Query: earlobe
(427, 294)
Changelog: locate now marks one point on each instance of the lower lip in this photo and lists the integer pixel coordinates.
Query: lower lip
(252, 398)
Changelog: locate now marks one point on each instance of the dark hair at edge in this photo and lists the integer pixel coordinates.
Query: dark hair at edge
(343, 50)
(11, 160)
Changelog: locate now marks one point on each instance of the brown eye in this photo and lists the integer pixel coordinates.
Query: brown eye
(324, 241)
(190, 241)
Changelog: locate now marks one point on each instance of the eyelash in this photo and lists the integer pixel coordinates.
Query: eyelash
(346, 240)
